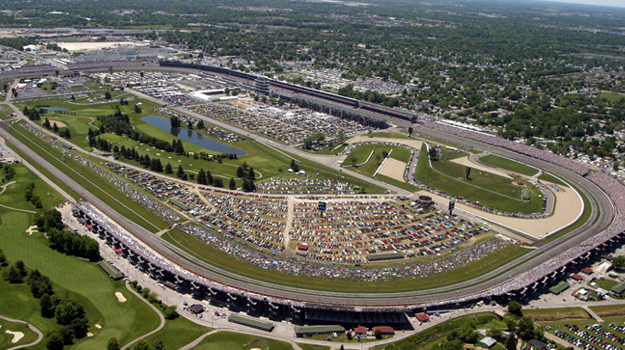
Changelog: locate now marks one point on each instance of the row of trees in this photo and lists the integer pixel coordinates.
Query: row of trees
(30, 197)
(72, 243)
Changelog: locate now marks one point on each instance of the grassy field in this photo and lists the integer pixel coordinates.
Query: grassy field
(611, 96)
(227, 262)
(490, 190)
(550, 178)
(236, 341)
(508, 164)
(361, 153)
(13, 196)
(73, 277)
(571, 313)
(178, 333)
(89, 180)
(266, 161)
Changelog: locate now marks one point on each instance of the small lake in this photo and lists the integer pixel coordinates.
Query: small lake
(54, 109)
(191, 136)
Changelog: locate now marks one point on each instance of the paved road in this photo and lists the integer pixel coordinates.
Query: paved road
(31, 327)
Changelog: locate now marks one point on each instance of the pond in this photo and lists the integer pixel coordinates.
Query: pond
(191, 136)
(54, 109)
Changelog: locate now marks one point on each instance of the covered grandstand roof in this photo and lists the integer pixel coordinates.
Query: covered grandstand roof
(619, 288)
(250, 322)
(308, 330)
(559, 288)
(110, 270)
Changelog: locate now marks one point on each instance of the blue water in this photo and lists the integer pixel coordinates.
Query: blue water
(54, 109)
(191, 136)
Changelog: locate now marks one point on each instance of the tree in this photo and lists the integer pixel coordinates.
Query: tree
(432, 153)
(13, 275)
(515, 308)
(21, 267)
(180, 172)
(170, 313)
(200, 125)
(616, 165)
(201, 177)
(511, 342)
(209, 177)
(3, 258)
(67, 311)
(240, 172)
(233, 184)
(142, 345)
(341, 137)
(112, 344)
(378, 334)
(527, 328)
(55, 341)
(55, 127)
(168, 169)
(48, 305)
(107, 95)
(619, 262)
(158, 345)
(294, 166)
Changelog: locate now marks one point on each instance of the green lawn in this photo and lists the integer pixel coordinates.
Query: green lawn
(13, 196)
(178, 333)
(550, 178)
(79, 279)
(361, 153)
(229, 263)
(508, 164)
(491, 190)
(611, 96)
(236, 341)
(89, 180)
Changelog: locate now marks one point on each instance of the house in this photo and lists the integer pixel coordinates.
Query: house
(422, 317)
(488, 342)
(384, 330)
(587, 270)
(577, 277)
(360, 330)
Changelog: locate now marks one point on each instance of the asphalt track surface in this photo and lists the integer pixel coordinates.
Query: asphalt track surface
(602, 211)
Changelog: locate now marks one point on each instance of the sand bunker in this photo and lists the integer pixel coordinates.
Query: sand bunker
(16, 336)
(32, 229)
(97, 326)
(89, 334)
(58, 123)
(120, 297)
(394, 169)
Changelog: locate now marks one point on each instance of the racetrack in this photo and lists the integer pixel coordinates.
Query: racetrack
(362, 299)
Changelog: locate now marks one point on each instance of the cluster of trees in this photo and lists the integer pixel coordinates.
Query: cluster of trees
(14, 273)
(72, 243)
(205, 178)
(314, 140)
(48, 220)
(30, 197)
(370, 96)
(9, 172)
(33, 113)
(169, 312)
(245, 171)
(113, 344)
(55, 128)
(117, 123)
(175, 122)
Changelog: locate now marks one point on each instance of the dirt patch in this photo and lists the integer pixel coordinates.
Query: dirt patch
(58, 123)
(394, 169)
